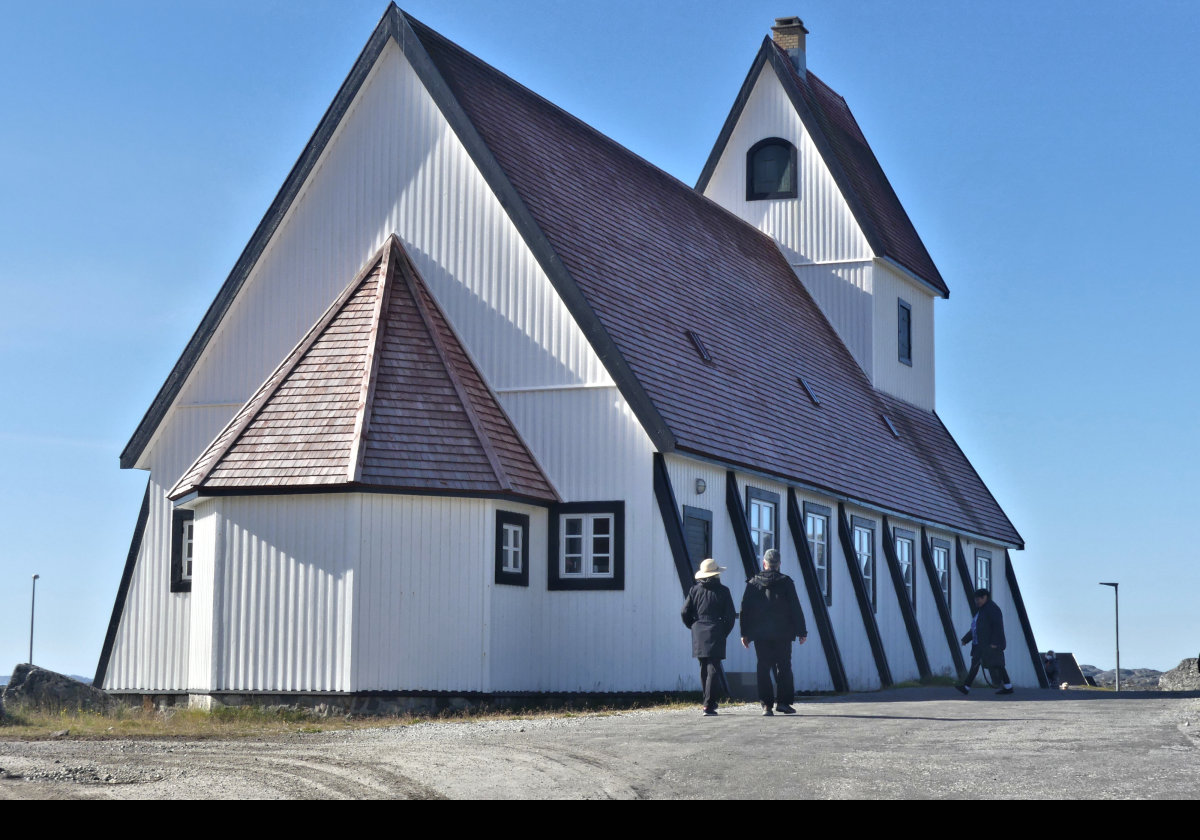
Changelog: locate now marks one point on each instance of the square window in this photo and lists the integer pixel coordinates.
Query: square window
(512, 552)
(587, 546)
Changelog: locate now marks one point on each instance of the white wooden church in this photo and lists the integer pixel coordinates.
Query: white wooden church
(485, 387)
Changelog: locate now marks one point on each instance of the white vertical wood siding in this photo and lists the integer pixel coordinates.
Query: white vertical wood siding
(395, 165)
(149, 651)
(514, 625)
(593, 449)
(203, 619)
(284, 598)
(913, 383)
(896, 643)
(845, 295)
(844, 614)
(421, 592)
(817, 225)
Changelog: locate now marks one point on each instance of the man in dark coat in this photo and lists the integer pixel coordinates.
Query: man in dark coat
(771, 618)
(709, 613)
(986, 637)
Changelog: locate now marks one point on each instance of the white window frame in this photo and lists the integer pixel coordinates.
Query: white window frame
(188, 548)
(512, 549)
(866, 558)
(820, 557)
(587, 552)
(983, 569)
(762, 538)
(905, 549)
(941, 564)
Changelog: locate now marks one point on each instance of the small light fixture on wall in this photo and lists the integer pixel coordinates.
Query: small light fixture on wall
(701, 486)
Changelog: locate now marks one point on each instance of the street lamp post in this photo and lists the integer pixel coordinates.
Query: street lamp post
(1117, 607)
(32, 606)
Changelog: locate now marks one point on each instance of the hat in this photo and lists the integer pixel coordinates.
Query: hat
(709, 568)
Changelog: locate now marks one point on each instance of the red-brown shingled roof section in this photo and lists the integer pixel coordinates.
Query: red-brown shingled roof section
(430, 423)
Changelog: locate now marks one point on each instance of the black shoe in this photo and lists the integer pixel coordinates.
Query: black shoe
(962, 689)
(767, 712)
(784, 708)
(1005, 691)
(709, 712)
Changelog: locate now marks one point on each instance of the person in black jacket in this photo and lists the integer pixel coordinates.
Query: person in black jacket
(771, 618)
(709, 613)
(987, 642)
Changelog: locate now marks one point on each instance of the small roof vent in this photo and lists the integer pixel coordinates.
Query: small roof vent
(890, 426)
(808, 390)
(700, 348)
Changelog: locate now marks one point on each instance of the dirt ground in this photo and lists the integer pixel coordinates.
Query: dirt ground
(912, 743)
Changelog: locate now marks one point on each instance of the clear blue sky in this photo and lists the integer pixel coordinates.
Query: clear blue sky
(1047, 153)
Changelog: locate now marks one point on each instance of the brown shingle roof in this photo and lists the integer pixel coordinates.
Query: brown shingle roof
(653, 259)
(378, 395)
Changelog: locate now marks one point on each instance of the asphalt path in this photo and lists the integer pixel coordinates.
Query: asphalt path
(899, 744)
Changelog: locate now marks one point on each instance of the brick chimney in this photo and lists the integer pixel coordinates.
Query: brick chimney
(788, 33)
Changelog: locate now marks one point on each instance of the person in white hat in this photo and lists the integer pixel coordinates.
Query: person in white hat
(710, 614)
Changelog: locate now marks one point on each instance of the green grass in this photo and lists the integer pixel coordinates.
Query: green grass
(252, 722)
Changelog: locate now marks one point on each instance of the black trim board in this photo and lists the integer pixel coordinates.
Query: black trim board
(1014, 592)
(396, 25)
(864, 602)
(808, 570)
(940, 601)
(741, 529)
(668, 509)
(906, 608)
(114, 623)
(964, 574)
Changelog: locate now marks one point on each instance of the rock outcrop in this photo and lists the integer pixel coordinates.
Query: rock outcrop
(1132, 679)
(31, 687)
(1183, 677)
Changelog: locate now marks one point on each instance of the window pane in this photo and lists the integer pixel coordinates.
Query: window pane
(573, 525)
(574, 546)
(602, 525)
(601, 565)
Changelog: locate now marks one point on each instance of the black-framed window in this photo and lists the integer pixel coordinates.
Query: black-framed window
(941, 564)
(512, 548)
(182, 549)
(905, 552)
(816, 529)
(587, 546)
(771, 170)
(904, 332)
(697, 534)
(864, 549)
(762, 517)
(983, 569)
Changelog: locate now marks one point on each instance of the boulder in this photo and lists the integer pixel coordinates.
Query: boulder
(1183, 677)
(31, 687)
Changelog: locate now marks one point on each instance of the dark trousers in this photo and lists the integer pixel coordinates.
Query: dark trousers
(710, 681)
(999, 672)
(775, 659)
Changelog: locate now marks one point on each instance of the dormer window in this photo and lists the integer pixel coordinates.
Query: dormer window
(771, 170)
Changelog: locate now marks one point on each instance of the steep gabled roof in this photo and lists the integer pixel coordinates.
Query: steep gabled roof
(643, 262)
(653, 260)
(378, 395)
(836, 135)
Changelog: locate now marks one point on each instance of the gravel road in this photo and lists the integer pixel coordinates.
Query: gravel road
(912, 743)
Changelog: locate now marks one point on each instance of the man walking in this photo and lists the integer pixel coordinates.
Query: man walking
(771, 618)
(987, 643)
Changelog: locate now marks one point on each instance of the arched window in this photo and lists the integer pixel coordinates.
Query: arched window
(771, 170)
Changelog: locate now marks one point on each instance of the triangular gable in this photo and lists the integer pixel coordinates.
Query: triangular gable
(378, 395)
(849, 158)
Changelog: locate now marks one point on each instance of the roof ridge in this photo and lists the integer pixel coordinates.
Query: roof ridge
(358, 443)
(416, 284)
